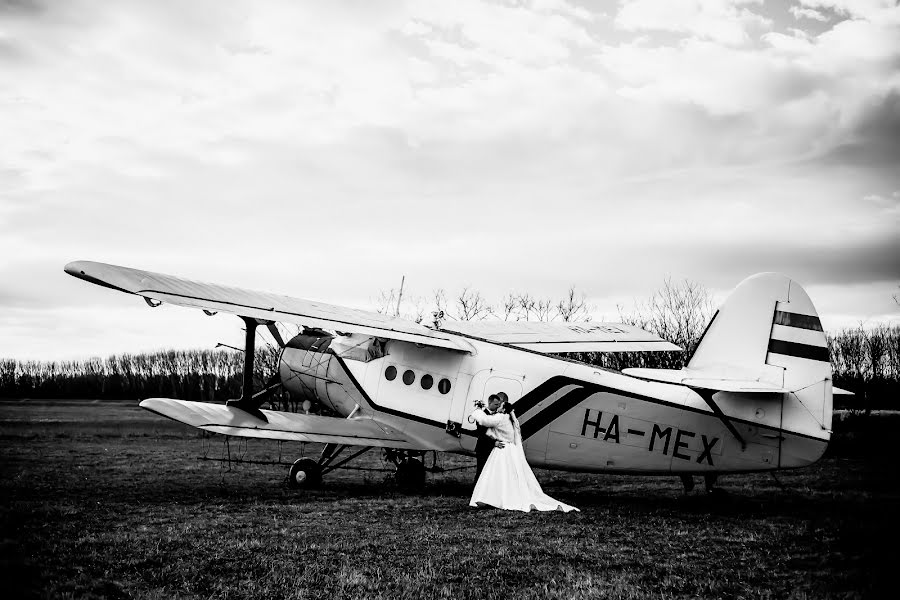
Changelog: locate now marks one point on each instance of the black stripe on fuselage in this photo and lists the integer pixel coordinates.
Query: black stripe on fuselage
(799, 321)
(531, 399)
(819, 353)
(554, 411)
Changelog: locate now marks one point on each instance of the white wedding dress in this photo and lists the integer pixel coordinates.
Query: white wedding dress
(507, 481)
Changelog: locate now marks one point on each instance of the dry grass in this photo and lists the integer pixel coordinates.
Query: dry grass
(103, 500)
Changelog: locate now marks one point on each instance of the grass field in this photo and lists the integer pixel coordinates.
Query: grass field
(103, 500)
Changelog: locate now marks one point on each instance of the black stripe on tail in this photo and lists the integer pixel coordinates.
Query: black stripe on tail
(819, 353)
(787, 319)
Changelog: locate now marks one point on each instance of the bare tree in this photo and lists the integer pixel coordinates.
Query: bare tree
(386, 302)
(410, 307)
(471, 306)
(877, 350)
(526, 305)
(543, 310)
(507, 309)
(440, 300)
(677, 312)
(418, 305)
(573, 307)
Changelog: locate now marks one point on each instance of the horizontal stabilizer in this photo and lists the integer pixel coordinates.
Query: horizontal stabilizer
(293, 427)
(706, 380)
(563, 337)
(259, 305)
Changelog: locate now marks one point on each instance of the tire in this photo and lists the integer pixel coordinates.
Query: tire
(305, 474)
(411, 474)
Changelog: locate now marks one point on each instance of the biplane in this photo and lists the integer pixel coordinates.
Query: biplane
(756, 395)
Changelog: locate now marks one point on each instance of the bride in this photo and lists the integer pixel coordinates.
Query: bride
(507, 481)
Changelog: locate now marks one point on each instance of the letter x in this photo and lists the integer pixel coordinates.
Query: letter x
(707, 449)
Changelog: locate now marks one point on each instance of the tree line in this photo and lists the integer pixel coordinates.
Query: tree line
(866, 361)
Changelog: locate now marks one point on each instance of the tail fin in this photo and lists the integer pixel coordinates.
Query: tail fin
(766, 339)
(768, 330)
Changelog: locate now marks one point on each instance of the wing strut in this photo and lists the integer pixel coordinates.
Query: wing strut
(707, 396)
(248, 402)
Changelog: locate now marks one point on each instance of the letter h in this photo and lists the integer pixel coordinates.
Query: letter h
(587, 421)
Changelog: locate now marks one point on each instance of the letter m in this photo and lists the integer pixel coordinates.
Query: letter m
(661, 433)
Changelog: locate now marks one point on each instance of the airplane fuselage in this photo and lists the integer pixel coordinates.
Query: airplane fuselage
(574, 416)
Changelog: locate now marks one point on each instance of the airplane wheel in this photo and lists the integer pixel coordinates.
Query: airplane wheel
(411, 474)
(305, 474)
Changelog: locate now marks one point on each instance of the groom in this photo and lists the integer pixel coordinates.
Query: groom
(485, 443)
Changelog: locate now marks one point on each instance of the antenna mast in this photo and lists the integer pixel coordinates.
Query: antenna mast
(400, 296)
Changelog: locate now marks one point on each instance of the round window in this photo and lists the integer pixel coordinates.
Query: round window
(427, 382)
(390, 373)
(444, 386)
(408, 377)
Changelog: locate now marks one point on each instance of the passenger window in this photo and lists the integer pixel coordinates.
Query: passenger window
(427, 382)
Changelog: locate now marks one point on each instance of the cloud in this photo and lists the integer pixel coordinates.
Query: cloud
(17, 8)
(722, 80)
(807, 13)
(873, 139)
(77, 333)
(830, 261)
(324, 150)
(721, 21)
(864, 9)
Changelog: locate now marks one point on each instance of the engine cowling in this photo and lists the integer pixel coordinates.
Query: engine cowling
(309, 369)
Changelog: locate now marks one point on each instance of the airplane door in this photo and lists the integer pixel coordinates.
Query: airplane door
(485, 383)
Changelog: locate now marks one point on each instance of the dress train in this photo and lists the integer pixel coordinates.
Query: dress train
(508, 482)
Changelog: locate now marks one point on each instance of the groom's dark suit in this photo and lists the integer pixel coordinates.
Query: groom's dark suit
(483, 446)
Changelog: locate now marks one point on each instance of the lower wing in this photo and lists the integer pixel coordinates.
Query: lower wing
(294, 427)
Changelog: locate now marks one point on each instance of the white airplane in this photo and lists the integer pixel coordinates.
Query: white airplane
(755, 396)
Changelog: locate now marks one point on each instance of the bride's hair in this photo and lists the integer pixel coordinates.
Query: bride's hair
(510, 410)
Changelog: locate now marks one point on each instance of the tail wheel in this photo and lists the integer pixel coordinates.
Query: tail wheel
(411, 474)
(305, 473)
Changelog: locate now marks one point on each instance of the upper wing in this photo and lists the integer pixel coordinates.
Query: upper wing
(259, 305)
(227, 420)
(563, 337)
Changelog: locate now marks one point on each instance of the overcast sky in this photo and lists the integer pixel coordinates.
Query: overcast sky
(325, 149)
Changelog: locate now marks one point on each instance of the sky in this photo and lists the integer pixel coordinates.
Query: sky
(324, 150)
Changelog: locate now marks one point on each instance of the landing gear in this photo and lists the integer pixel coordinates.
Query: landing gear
(410, 474)
(709, 483)
(305, 474)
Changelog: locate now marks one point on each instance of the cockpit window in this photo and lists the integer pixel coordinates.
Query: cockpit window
(357, 347)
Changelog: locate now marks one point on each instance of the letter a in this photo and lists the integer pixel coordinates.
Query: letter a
(613, 430)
